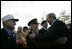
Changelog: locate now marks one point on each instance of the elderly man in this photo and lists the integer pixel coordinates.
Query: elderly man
(59, 30)
(33, 29)
(8, 39)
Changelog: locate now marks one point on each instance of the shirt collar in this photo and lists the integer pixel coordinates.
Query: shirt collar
(7, 31)
(45, 28)
(53, 22)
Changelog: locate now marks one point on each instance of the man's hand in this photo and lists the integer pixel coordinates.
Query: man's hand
(32, 35)
(62, 40)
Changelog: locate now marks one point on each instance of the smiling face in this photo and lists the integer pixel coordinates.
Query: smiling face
(50, 18)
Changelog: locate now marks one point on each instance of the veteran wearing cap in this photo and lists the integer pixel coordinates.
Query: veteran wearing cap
(33, 24)
(33, 28)
(8, 39)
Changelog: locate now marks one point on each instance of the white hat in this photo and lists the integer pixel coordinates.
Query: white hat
(8, 17)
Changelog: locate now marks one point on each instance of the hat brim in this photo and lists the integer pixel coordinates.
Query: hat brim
(32, 23)
(37, 23)
(15, 19)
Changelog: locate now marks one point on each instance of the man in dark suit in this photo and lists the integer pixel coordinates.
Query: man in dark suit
(44, 27)
(43, 43)
(57, 30)
(8, 39)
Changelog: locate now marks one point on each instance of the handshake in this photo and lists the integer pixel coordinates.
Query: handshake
(62, 40)
(32, 35)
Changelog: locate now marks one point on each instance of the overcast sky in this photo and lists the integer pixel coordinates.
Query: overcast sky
(27, 10)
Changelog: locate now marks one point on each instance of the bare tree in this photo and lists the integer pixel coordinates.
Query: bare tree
(65, 17)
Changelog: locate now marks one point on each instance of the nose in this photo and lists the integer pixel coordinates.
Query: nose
(15, 23)
(37, 26)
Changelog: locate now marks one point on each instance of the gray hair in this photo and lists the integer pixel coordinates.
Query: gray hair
(51, 15)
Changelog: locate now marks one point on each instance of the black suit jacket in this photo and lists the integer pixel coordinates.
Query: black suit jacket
(42, 31)
(7, 41)
(42, 42)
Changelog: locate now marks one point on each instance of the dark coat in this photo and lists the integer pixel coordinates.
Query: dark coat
(30, 42)
(7, 41)
(57, 30)
(42, 43)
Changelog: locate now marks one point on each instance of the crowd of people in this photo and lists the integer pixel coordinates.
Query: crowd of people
(58, 35)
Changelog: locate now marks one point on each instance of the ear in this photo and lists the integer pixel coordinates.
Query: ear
(5, 23)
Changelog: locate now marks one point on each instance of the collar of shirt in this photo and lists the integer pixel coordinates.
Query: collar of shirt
(45, 28)
(8, 31)
(53, 22)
